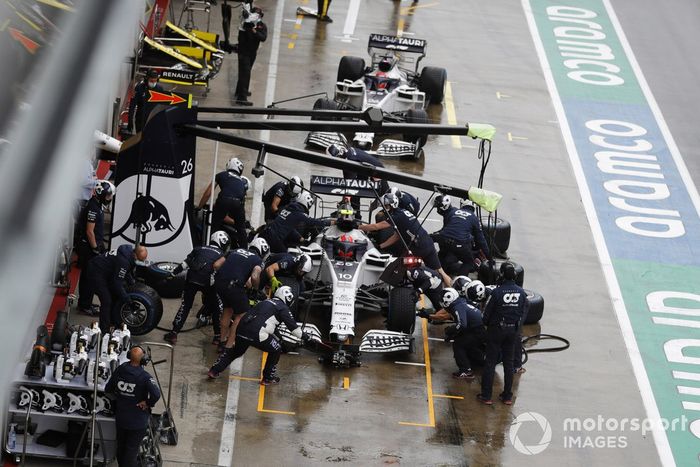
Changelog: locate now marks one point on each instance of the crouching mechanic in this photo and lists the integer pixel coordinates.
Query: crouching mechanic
(503, 314)
(279, 195)
(468, 333)
(426, 281)
(283, 232)
(257, 329)
(409, 229)
(240, 271)
(135, 394)
(201, 264)
(286, 265)
(108, 275)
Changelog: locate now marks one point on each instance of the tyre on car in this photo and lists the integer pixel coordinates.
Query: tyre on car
(432, 82)
(416, 116)
(401, 316)
(145, 316)
(352, 68)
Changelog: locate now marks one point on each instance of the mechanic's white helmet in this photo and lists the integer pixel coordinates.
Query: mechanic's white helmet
(449, 295)
(303, 263)
(285, 294)
(104, 191)
(235, 165)
(295, 185)
(442, 202)
(391, 200)
(395, 191)
(475, 291)
(460, 284)
(220, 239)
(260, 245)
(466, 203)
(306, 199)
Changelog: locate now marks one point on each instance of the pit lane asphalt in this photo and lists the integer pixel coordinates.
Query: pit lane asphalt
(495, 78)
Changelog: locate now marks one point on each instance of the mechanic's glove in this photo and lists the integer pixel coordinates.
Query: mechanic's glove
(450, 332)
(274, 284)
(423, 313)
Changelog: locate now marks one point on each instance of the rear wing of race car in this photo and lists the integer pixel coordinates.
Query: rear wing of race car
(400, 44)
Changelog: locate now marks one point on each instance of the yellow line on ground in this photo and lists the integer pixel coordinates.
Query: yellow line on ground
(261, 393)
(428, 381)
(446, 396)
(346, 383)
(290, 45)
(399, 28)
(278, 412)
(410, 9)
(451, 114)
(244, 378)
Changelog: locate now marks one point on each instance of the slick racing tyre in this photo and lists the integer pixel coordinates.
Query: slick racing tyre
(324, 104)
(535, 308)
(352, 68)
(432, 82)
(500, 232)
(416, 116)
(148, 312)
(490, 273)
(157, 275)
(402, 310)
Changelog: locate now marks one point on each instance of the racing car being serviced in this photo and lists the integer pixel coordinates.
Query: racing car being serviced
(346, 280)
(391, 83)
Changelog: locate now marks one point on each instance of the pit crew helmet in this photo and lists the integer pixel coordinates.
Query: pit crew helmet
(104, 191)
(235, 165)
(285, 294)
(449, 296)
(460, 284)
(390, 200)
(306, 199)
(259, 246)
(221, 240)
(442, 203)
(303, 264)
(475, 291)
(295, 185)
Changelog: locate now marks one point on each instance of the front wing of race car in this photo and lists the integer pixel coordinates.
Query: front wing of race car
(386, 148)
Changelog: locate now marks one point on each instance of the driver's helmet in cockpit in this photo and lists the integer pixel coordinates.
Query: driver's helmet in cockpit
(386, 63)
(345, 221)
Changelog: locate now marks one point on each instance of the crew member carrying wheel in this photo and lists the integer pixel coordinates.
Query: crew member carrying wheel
(409, 229)
(503, 314)
(91, 242)
(459, 230)
(201, 264)
(285, 265)
(108, 273)
(279, 195)
(283, 232)
(468, 333)
(240, 271)
(229, 207)
(257, 329)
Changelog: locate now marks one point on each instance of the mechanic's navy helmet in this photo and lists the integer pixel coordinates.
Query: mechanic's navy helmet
(295, 185)
(386, 64)
(449, 296)
(460, 284)
(475, 291)
(390, 200)
(442, 203)
(336, 150)
(221, 240)
(508, 271)
(285, 294)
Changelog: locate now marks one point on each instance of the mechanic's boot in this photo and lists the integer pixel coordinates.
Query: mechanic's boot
(483, 399)
(507, 400)
(213, 374)
(272, 378)
(94, 310)
(463, 374)
(216, 340)
(170, 337)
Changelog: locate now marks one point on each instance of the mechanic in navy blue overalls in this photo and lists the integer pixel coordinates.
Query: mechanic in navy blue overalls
(283, 232)
(426, 281)
(409, 229)
(137, 105)
(285, 265)
(257, 329)
(406, 200)
(201, 264)
(468, 333)
(240, 271)
(459, 231)
(231, 200)
(279, 195)
(91, 242)
(503, 314)
(108, 275)
(136, 393)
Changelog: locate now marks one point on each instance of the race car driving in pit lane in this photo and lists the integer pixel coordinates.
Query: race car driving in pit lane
(391, 83)
(345, 279)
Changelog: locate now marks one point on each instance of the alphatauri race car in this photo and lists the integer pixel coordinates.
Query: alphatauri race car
(391, 83)
(345, 280)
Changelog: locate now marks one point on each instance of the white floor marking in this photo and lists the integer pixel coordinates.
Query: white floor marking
(351, 20)
(662, 445)
(228, 431)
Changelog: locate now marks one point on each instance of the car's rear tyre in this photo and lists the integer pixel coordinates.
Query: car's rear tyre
(402, 310)
(149, 312)
(416, 116)
(352, 68)
(535, 308)
(157, 275)
(500, 231)
(432, 82)
(324, 104)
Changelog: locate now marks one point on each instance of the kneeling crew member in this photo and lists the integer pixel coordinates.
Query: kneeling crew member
(230, 203)
(108, 273)
(504, 311)
(240, 271)
(412, 233)
(136, 393)
(201, 264)
(468, 332)
(279, 195)
(257, 329)
(286, 265)
(426, 281)
(283, 232)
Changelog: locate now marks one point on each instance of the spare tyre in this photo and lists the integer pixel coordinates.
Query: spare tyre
(401, 316)
(352, 68)
(416, 116)
(535, 308)
(500, 232)
(432, 82)
(145, 316)
(157, 275)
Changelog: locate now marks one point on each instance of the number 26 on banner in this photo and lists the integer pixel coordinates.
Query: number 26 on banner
(186, 166)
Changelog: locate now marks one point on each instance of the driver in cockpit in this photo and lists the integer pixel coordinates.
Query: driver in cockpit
(386, 77)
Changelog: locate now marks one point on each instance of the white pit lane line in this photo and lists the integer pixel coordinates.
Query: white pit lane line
(351, 20)
(228, 431)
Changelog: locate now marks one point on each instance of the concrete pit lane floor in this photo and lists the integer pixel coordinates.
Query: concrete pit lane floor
(406, 409)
